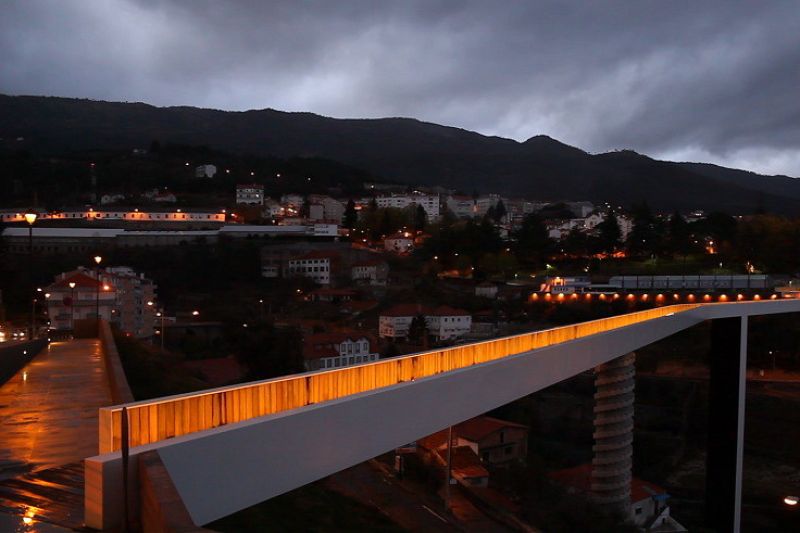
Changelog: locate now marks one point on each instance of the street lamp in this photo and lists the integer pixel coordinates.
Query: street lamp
(34, 300)
(163, 334)
(30, 218)
(97, 260)
(72, 305)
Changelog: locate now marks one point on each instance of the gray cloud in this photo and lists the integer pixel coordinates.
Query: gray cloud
(710, 81)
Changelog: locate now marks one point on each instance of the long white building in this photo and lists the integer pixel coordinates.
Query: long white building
(429, 202)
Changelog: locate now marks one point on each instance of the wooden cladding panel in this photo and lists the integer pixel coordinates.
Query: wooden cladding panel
(170, 417)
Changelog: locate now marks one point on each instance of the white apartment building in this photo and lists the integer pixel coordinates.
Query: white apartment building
(446, 323)
(205, 171)
(461, 206)
(250, 194)
(313, 265)
(374, 272)
(271, 208)
(429, 202)
(120, 296)
(443, 323)
(483, 203)
(395, 321)
(338, 349)
(332, 209)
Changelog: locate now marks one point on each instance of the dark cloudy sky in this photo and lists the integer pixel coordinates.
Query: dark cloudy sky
(703, 81)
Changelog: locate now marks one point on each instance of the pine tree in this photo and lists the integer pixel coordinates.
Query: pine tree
(350, 215)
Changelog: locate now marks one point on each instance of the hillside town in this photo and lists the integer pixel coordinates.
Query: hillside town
(317, 281)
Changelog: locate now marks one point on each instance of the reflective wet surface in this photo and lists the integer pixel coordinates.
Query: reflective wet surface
(48, 424)
(48, 410)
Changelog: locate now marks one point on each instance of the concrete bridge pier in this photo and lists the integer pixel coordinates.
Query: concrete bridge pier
(613, 434)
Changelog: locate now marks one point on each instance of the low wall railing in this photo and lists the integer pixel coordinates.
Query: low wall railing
(15, 355)
(163, 418)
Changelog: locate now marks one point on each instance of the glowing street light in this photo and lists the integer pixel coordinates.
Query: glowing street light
(97, 261)
(791, 501)
(72, 304)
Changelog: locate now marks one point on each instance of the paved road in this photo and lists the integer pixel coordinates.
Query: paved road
(48, 410)
(408, 510)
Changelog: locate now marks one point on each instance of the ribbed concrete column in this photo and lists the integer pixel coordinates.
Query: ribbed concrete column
(613, 434)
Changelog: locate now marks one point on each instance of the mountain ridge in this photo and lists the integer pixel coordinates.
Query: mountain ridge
(407, 150)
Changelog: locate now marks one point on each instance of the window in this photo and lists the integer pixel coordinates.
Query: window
(502, 437)
(508, 450)
(638, 510)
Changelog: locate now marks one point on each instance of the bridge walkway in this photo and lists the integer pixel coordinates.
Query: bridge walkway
(48, 424)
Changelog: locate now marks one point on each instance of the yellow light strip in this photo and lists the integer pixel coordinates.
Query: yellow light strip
(163, 418)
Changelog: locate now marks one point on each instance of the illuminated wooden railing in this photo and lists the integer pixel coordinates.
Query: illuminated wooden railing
(163, 418)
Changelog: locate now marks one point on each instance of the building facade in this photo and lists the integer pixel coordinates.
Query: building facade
(429, 202)
(445, 323)
(313, 265)
(249, 194)
(120, 295)
(338, 349)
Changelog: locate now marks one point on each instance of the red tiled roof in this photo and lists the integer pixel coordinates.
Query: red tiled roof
(82, 281)
(406, 310)
(316, 254)
(358, 306)
(580, 478)
(473, 430)
(445, 310)
(466, 463)
(480, 427)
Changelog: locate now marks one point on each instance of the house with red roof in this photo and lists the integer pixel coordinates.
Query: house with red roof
(494, 441)
(649, 510)
(395, 322)
(338, 349)
(118, 295)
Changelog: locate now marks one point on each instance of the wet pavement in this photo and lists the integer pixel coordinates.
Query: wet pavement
(48, 410)
(48, 424)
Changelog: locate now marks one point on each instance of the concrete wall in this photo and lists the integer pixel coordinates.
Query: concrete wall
(161, 507)
(15, 355)
(117, 381)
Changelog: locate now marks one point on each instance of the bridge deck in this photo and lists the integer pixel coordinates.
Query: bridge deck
(49, 409)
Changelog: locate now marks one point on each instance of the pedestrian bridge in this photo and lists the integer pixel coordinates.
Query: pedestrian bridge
(228, 448)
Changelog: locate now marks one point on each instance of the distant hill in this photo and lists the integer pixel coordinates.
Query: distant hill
(406, 150)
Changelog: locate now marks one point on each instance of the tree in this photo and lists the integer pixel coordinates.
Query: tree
(267, 351)
(645, 237)
(679, 237)
(350, 215)
(609, 234)
(420, 218)
(533, 241)
(418, 329)
(500, 211)
(390, 350)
